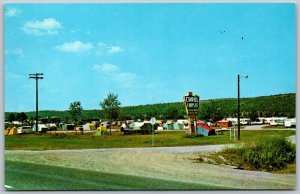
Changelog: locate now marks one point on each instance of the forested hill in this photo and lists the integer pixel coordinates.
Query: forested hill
(274, 105)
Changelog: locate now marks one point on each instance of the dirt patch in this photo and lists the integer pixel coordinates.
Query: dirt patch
(163, 163)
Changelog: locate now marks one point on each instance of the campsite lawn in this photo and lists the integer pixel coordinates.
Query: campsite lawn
(117, 140)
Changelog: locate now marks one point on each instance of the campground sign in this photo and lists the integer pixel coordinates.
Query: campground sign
(191, 104)
(192, 107)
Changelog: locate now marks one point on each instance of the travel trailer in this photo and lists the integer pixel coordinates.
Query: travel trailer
(41, 128)
(24, 129)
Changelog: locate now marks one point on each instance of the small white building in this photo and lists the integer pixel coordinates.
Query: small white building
(277, 121)
(245, 121)
(17, 122)
(234, 121)
(291, 122)
(265, 120)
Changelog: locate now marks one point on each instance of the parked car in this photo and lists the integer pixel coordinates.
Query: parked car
(24, 129)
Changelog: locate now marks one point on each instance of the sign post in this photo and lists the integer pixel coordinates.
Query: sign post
(232, 133)
(191, 106)
(152, 121)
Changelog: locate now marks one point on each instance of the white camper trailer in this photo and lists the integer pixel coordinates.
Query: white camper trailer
(41, 128)
(24, 129)
(290, 122)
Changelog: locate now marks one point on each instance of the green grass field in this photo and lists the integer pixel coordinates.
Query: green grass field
(117, 140)
(25, 176)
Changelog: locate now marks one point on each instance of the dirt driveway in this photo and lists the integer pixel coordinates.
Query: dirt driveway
(169, 163)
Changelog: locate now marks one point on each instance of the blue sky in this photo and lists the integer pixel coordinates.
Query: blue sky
(146, 53)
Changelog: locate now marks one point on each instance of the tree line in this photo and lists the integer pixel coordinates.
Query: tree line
(213, 109)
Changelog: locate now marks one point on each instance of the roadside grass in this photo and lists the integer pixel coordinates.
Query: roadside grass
(268, 153)
(51, 178)
(273, 127)
(117, 140)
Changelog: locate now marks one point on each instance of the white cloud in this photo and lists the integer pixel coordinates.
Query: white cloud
(106, 68)
(11, 12)
(100, 48)
(14, 52)
(105, 49)
(112, 72)
(115, 49)
(48, 26)
(75, 47)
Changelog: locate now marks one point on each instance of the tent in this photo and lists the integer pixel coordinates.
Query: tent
(136, 125)
(86, 127)
(205, 130)
(142, 127)
(68, 127)
(6, 131)
(148, 127)
(177, 126)
(169, 125)
(51, 126)
(101, 130)
(13, 131)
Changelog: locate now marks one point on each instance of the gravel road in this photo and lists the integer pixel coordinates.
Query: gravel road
(260, 127)
(169, 163)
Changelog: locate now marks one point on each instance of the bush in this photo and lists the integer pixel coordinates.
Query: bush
(271, 153)
(104, 133)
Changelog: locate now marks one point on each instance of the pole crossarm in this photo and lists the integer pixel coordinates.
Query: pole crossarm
(36, 75)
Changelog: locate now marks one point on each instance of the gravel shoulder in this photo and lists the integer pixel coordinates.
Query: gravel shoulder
(169, 163)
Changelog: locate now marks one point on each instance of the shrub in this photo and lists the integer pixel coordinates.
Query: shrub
(104, 133)
(269, 153)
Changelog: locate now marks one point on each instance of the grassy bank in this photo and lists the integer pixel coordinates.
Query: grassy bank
(271, 153)
(58, 178)
(117, 140)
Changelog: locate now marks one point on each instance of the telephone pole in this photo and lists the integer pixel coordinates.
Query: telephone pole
(36, 76)
(238, 105)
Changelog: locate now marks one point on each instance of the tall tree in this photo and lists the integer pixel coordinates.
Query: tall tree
(253, 116)
(21, 116)
(75, 110)
(111, 107)
(11, 117)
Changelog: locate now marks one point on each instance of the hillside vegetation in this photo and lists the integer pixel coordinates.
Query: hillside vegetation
(215, 109)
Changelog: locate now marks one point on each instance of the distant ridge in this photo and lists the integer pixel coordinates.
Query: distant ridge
(272, 105)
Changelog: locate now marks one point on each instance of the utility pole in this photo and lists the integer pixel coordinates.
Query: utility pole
(36, 76)
(238, 102)
(238, 106)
